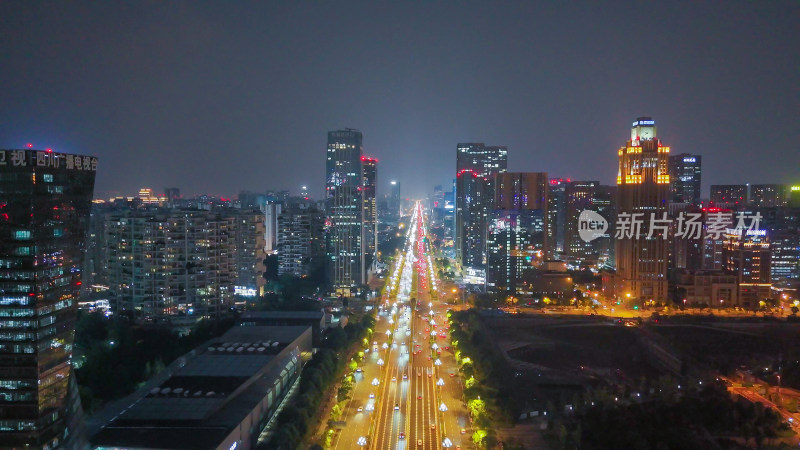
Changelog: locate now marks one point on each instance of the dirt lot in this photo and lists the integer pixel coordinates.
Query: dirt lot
(566, 345)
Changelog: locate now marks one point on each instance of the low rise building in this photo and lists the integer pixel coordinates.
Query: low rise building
(219, 397)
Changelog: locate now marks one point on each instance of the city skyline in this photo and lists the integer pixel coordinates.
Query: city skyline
(194, 110)
(615, 241)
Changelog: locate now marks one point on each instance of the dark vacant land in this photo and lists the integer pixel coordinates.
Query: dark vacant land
(726, 347)
(574, 346)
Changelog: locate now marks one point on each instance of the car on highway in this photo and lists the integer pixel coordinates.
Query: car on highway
(402, 435)
(419, 397)
(394, 378)
(396, 406)
(371, 395)
(405, 376)
(452, 374)
(360, 408)
(419, 442)
(463, 431)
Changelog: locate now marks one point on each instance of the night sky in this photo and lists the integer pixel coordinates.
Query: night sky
(215, 97)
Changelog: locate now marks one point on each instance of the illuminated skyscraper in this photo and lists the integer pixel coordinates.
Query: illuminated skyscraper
(344, 209)
(45, 199)
(476, 166)
(556, 210)
(370, 230)
(684, 176)
(642, 192)
(581, 196)
(747, 255)
(768, 195)
(394, 199)
(730, 195)
(517, 237)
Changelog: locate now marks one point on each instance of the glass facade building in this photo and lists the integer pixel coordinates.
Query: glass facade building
(476, 166)
(45, 200)
(344, 209)
(684, 176)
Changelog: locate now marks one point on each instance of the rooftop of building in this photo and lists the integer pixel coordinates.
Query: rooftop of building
(199, 404)
(282, 315)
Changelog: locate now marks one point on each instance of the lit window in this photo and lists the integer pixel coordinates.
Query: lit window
(22, 235)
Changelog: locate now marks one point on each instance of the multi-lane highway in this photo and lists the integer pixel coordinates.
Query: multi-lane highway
(408, 394)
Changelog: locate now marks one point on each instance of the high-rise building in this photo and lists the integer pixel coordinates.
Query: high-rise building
(517, 234)
(582, 196)
(729, 195)
(369, 256)
(476, 166)
(249, 255)
(684, 177)
(484, 160)
(272, 210)
(642, 193)
(748, 257)
(45, 200)
(344, 208)
(793, 198)
(472, 210)
(171, 262)
(785, 248)
(556, 212)
(252, 200)
(394, 199)
(768, 195)
(172, 194)
(300, 239)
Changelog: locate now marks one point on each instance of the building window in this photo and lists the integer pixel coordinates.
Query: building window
(22, 235)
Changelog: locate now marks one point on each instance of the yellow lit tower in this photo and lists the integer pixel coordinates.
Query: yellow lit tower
(643, 189)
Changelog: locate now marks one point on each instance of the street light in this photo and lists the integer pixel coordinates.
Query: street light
(362, 441)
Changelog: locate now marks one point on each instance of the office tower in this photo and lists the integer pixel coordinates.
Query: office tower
(272, 210)
(785, 247)
(684, 178)
(170, 263)
(748, 257)
(45, 200)
(517, 234)
(768, 195)
(472, 208)
(252, 200)
(729, 195)
(344, 209)
(249, 255)
(394, 199)
(556, 212)
(369, 255)
(582, 196)
(172, 195)
(301, 244)
(642, 192)
(484, 160)
(476, 166)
